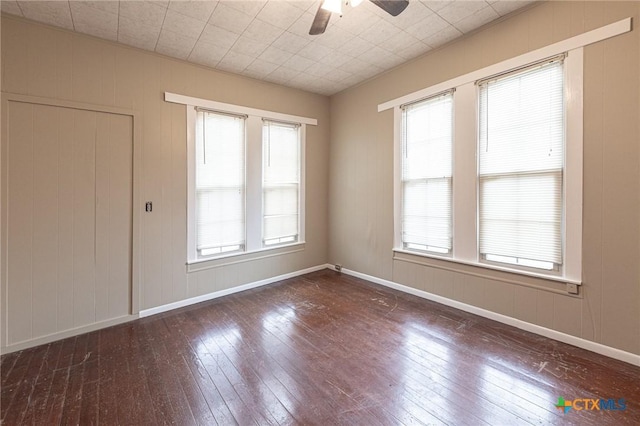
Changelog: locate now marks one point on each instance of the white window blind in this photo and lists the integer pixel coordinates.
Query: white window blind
(281, 182)
(220, 183)
(521, 165)
(427, 141)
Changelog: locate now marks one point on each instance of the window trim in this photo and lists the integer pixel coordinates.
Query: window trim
(465, 171)
(253, 170)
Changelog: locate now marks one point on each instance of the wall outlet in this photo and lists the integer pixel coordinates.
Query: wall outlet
(572, 288)
(338, 267)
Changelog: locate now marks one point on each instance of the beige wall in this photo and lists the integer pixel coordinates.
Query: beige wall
(52, 63)
(361, 177)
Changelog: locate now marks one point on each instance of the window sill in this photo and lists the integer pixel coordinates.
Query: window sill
(548, 277)
(234, 258)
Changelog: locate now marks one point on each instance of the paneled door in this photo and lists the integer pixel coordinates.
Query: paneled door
(67, 190)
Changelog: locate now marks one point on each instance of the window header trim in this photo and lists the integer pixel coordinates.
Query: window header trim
(236, 109)
(566, 45)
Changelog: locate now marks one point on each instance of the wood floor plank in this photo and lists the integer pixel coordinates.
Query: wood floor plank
(13, 381)
(371, 369)
(267, 357)
(89, 412)
(180, 406)
(6, 366)
(241, 398)
(337, 357)
(180, 354)
(73, 396)
(108, 362)
(42, 390)
(21, 391)
(57, 399)
(210, 393)
(255, 386)
(301, 362)
(323, 348)
(274, 377)
(346, 398)
(137, 409)
(156, 381)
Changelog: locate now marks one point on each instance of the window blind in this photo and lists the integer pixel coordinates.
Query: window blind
(220, 183)
(521, 162)
(427, 141)
(281, 182)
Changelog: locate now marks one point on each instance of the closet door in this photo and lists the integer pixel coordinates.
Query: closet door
(68, 219)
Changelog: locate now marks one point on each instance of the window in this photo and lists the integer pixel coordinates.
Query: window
(516, 186)
(521, 167)
(280, 182)
(427, 136)
(245, 181)
(220, 183)
(488, 168)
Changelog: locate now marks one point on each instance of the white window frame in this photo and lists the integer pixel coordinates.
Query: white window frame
(253, 170)
(290, 239)
(465, 177)
(229, 249)
(403, 143)
(511, 261)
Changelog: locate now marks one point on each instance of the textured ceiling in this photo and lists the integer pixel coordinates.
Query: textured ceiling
(269, 40)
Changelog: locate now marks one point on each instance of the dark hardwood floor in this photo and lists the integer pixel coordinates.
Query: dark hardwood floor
(320, 349)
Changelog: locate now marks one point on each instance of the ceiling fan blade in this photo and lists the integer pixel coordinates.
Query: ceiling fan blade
(392, 7)
(320, 22)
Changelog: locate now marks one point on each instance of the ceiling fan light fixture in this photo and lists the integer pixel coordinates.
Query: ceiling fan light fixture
(334, 6)
(327, 7)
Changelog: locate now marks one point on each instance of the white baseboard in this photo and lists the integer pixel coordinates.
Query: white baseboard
(533, 328)
(152, 311)
(25, 344)
(216, 294)
(523, 325)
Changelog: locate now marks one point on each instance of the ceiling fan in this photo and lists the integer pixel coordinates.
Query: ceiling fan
(327, 7)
